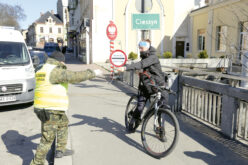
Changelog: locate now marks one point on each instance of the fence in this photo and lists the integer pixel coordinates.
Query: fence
(221, 106)
(242, 120)
(202, 104)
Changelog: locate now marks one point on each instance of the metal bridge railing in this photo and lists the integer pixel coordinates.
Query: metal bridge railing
(221, 106)
(202, 104)
(242, 121)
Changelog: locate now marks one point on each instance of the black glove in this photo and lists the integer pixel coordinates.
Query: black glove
(42, 115)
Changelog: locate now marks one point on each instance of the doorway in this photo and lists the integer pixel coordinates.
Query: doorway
(179, 48)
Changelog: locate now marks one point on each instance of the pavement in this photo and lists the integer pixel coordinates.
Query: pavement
(74, 64)
(97, 131)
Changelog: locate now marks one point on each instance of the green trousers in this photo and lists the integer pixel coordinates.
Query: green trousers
(56, 124)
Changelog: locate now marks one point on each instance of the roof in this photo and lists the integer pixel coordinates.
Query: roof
(10, 35)
(57, 15)
(44, 17)
(199, 8)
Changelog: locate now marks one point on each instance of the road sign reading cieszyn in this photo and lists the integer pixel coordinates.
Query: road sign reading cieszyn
(146, 21)
(118, 58)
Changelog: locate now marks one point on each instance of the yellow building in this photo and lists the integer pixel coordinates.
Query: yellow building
(220, 28)
(168, 31)
(172, 34)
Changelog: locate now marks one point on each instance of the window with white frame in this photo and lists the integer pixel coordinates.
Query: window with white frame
(201, 39)
(41, 30)
(59, 30)
(146, 35)
(72, 21)
(221, 34)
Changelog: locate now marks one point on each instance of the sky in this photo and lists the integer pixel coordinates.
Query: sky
(32, 9)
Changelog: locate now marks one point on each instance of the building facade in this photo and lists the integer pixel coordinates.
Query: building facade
(220, 28)
(47, 28)
(164, 22)
(63, 13)
(74, 26)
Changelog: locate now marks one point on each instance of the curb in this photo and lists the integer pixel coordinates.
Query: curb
(105, 66)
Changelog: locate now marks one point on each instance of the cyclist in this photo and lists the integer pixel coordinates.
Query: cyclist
(152, 69)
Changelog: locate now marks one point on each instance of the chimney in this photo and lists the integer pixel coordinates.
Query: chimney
(52, 11)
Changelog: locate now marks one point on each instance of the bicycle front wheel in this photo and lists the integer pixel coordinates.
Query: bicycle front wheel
(159, 140)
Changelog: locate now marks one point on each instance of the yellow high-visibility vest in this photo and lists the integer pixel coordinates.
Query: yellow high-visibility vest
(49, 96)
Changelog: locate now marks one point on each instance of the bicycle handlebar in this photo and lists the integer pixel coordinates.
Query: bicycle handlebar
(161, 88)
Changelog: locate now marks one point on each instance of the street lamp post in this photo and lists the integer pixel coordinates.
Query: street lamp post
(142, 11)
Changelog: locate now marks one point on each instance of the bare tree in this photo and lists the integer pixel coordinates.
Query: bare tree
(11, 15)
(236, 49)
(240, 15)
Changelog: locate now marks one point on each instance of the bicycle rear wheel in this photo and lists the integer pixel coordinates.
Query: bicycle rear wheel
(160, 140)
(131, 106)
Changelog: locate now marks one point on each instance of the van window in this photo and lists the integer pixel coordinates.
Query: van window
(13, 53)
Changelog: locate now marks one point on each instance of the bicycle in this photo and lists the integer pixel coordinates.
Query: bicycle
(157, 123)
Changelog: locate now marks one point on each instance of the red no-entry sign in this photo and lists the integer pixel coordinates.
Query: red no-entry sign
(111, 31)
(118, 58)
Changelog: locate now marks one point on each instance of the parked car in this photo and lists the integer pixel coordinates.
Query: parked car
(50, 47)
(39, 58)
(69, 50)
(30, 48)
(17, 76)
(36, 48)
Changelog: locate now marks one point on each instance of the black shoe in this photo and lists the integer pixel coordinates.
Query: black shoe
(134, 118)
(136, 114)
(60, 154)
(134, 124)
(130, 114)
(137, 122)
(161, 134)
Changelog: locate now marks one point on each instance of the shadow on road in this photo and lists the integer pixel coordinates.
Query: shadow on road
(82, 85)
(15, 107)
(108, 125)
(206, 157)
(98, 80)
(20, 145)
(123, 87)
(70, 59)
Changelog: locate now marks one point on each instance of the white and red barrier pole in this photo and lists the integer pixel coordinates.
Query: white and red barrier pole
(111, 32)
(111, 51)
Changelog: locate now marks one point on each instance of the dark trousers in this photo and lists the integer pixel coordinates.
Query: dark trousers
(142, 102)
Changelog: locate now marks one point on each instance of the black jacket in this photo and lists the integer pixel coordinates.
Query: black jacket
(150, 64)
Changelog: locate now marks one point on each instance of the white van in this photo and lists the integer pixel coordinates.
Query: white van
(17, 76)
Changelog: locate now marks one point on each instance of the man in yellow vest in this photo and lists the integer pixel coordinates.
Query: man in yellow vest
(51, 103)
